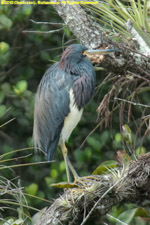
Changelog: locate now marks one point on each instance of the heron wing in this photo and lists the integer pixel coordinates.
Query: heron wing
(51, 108)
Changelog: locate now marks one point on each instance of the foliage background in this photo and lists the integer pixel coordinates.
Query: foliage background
(24, 57)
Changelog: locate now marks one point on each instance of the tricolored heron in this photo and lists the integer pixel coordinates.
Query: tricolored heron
(66, 87)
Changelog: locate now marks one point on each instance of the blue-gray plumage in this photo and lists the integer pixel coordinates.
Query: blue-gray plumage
(64, 90)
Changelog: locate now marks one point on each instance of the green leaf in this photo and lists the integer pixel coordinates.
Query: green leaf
(13, 221)
(115, 212)
(32, 189)
(127, 134)
(18, 222)
(105, 167)
(88, 153)
(65, 185)
(9, 221)
(94, 143)
(54, 173)
(4, 53)
(2, 110)
(123, 157)
(62, 166)
(4, 47)
(5, 22)
(49, 180)
(17, 92)
(20, 87)
(128, 215)
(142, 212)
(27, 10)
(140, 151)
(118, 137)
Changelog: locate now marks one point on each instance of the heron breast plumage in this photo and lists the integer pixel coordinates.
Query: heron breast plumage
(71, 120)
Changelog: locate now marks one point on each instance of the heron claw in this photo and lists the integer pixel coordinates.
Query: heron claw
(83, 181)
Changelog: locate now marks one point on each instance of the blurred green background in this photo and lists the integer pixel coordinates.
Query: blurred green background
(24, 57)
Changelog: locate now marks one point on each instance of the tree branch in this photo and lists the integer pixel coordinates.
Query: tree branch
(85, 29)
(128, 184)
(144, 48)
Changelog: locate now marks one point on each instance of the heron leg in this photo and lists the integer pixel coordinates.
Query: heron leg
(64, 152)
(72, 169)
(68, 163)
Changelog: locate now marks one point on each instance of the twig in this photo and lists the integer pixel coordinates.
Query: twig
(133, 103)
(25, 164)
(9, 121)
(42, 32)
(143, 71)
(50, 23)
(135, 51)
(138, 76)
(15, 159)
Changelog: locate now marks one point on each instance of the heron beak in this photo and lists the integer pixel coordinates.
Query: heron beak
(91, 52)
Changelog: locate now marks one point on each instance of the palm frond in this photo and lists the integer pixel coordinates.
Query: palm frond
(115, 13)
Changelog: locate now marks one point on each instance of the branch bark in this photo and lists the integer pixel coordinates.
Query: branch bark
(128, 184)
(85, 30)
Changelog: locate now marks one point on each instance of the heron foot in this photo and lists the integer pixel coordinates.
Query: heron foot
(84, 181)
(91, 177)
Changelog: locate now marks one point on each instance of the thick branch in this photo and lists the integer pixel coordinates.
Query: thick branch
(129, 184)
(85, 30)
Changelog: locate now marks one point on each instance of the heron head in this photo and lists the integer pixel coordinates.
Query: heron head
(72, 55)
(76, 53)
